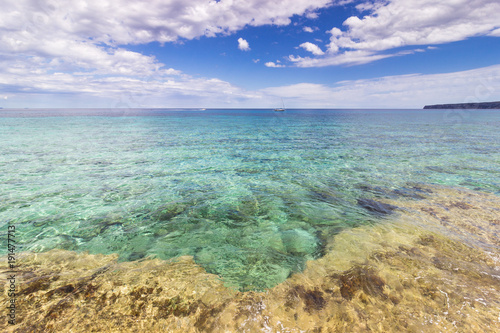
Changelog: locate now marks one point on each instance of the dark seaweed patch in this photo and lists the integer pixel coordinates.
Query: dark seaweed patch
(136, 256)
(139, 293)
(361, 278)
(376, 190)
(38, 283)
(59, 308)
(376, 206)
(324, 196)
(461, 205)
(408, 193)
(206, 321)
(313, 299)
(61, 290)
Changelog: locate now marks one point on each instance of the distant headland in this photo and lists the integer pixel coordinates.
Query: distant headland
(484, 105)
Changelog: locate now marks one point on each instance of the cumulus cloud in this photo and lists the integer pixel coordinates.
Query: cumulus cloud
(397, 23)
(243, 44)
(313, 48)
(402, 91)
(162, 88)
(134, 22)
(51, 47)
(308, 29)
(272, 64)
(406, 22)
(79, 47)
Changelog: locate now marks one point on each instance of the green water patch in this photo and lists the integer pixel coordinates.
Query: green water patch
(253, 236)
(251, 197)
(252, 240)
(249, 240)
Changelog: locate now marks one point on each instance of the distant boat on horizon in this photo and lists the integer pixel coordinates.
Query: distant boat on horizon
(282, 108)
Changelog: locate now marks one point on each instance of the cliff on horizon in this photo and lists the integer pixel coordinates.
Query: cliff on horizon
(483, 105)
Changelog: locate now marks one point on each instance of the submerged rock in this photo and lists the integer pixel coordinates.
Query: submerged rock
(376, 206)
(169, 210)
(299, 242)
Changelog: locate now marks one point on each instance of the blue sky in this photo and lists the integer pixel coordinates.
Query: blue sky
(248, 54)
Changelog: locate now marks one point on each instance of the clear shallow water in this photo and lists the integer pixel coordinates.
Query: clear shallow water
(251, 194)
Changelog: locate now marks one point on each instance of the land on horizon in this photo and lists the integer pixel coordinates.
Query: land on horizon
(482, 105)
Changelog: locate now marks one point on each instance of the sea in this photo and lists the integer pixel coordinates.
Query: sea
(250, 220)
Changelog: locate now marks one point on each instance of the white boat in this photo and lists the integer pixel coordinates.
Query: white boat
(282, 108)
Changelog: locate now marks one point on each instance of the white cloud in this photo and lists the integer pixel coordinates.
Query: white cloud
(308, 29)
(313, 48)
(312, 15)
(134, 22)
(272, 64)
(158, 90)
(243, 44)
(78, 47)
(495, 33)
(406, 22)
(398, 23)
(53, 48)
(346, 58)
(403, 91)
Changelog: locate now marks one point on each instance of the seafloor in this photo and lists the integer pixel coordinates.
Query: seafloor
(431, 266)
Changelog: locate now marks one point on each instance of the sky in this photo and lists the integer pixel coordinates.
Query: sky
(248, 53)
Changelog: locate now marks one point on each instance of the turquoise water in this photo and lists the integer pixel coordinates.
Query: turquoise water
(251, 194)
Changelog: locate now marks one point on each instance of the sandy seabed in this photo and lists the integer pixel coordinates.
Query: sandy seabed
(431, 266)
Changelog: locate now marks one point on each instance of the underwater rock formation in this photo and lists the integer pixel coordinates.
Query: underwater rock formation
(416, 271)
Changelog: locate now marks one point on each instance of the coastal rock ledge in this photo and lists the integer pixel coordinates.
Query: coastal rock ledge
(484, 105)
